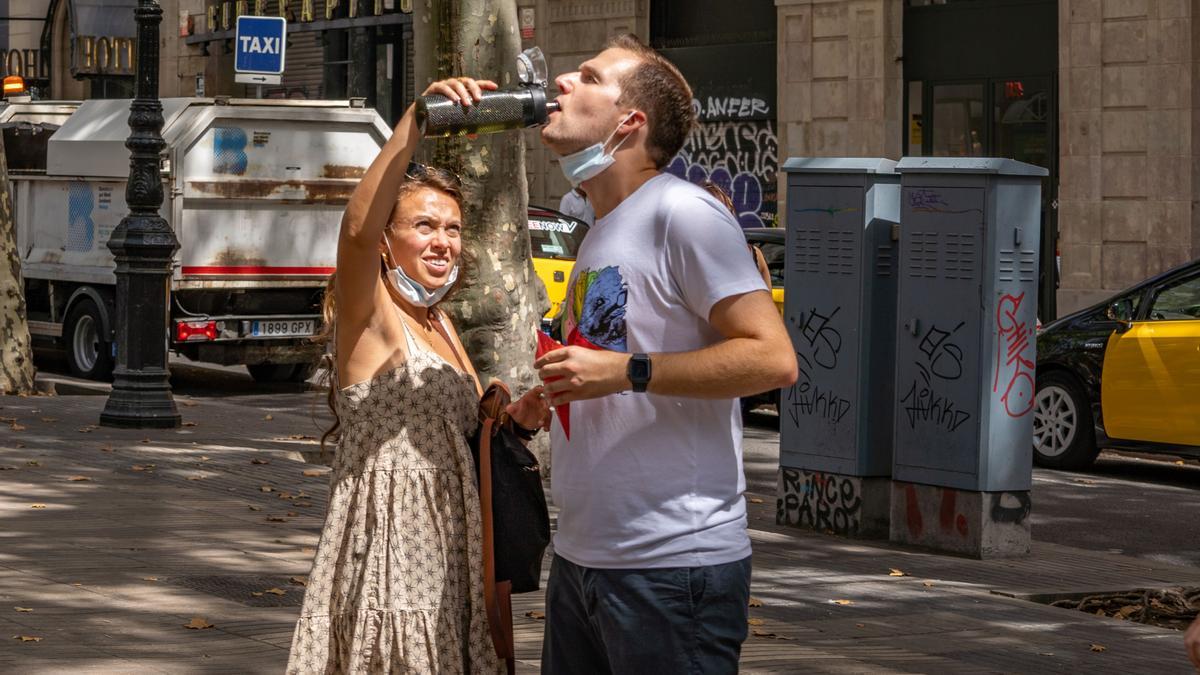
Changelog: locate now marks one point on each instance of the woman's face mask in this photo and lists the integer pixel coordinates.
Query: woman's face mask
(412, 290)
(592, 160)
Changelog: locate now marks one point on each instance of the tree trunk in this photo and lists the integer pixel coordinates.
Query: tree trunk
(498, 308)
(16, 361)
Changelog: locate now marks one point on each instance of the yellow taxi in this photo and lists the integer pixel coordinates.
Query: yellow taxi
(555, 238)
(772, 241)
(1123, 374)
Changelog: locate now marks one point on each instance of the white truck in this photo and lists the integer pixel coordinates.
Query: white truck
(254, 190)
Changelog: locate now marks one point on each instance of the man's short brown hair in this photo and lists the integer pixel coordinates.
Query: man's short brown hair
(657, 88)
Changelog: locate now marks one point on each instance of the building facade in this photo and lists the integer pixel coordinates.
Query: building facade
(1099, 92)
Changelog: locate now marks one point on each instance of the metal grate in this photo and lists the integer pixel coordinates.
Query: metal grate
(1019, 267)
(884, 261)
(808, 251)
(922, 255)
(839, 252)
(960, 260)
(241, 588)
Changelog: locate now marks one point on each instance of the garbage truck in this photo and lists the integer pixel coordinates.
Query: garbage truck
(254, 191)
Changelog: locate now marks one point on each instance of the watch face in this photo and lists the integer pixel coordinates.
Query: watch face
(639, 369)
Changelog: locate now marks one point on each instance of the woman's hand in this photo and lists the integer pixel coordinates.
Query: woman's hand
(464, 90)
(531, 411)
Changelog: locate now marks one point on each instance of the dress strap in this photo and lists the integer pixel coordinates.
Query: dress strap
(413, 347)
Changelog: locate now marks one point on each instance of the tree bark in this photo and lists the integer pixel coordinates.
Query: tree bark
(497, 310)
(16, 360)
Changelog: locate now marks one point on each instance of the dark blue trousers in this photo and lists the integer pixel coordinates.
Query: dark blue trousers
(655, 621)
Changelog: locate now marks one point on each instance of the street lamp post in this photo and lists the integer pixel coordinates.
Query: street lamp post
(144, 246)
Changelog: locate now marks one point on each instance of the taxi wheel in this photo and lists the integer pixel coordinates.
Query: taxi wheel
(1063, 433)
(265, 373)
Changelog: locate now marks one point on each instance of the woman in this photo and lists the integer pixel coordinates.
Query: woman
(397, 585)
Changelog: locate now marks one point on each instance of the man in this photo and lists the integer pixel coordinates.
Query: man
(667, 323)
(575, 204)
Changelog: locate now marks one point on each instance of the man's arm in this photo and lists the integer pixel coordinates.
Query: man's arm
(756, 355)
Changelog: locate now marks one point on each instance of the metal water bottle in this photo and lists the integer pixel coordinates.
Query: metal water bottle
(524, 106)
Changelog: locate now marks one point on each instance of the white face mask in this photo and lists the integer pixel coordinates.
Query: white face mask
(411, 290)
(592, 160)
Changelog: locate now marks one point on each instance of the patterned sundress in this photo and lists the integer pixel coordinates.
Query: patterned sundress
(397, 583)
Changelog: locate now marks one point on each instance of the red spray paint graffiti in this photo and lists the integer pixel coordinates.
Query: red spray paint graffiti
(1011, 349)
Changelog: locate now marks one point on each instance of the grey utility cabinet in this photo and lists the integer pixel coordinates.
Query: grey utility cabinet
(966, 340)
(840, 309)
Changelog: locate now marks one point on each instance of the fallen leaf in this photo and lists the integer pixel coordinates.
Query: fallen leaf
(1085, 481)
(37, 506)
(302, 504)
(260, 461)
(145, 440)
(893, 572)
(535, 615)
(49, 419)
(257, 594)
(189, 424)
(755, 602)
(275, 591)
(1179, 462)
(33, 462)
(27, 638)
(106, 448)
(927, 584)
(299, 581)
(23, 609)
(190, 404)
(78, 479)
(1127, 611)
(269, 417)
(142, 467)
(312, 473)
(266, 488)
(204, 458)
(254, 508)
(766, 634)
(308, 550)
(17, 427)
(1096, 647)
(860, 625)
(77, 584)
(198, 623)
(87, 430)
(196, 477)
(842, 602)
(149, 578)
(754, 500)
(276, 519)
(292, 514)
(755, 622)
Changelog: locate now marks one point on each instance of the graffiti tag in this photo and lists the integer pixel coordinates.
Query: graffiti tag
(943, 361)
(820, 501)
(807, 399)
(1019, 393)
(742, 158)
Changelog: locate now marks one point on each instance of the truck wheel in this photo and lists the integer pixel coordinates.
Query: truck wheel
(1063, 433)
(88, 353)
(271, 372)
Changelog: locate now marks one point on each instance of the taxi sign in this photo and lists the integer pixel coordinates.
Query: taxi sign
(259, 44)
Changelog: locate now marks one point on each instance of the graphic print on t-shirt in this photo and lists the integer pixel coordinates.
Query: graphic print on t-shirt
(597, 309)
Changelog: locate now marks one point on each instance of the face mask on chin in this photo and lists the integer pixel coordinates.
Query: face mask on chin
(411, 290)
(592, 160)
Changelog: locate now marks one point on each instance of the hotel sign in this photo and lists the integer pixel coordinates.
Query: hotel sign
(223, 15)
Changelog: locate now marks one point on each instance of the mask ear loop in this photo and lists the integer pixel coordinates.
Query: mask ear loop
(614, 133)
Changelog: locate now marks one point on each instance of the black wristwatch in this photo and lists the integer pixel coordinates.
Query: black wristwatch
(638, 371)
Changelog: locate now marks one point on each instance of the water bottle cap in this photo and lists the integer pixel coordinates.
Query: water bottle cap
(531, 67)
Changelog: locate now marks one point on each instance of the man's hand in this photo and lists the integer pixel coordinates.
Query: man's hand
(578, 373)
(531, 410)
(1191, 641)
(464, 90)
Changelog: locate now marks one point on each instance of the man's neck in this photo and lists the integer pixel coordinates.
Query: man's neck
(611, 187)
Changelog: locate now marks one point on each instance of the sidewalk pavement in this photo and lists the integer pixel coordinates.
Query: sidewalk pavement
(115, 540)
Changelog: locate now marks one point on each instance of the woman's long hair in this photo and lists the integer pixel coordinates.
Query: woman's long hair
(418, 177)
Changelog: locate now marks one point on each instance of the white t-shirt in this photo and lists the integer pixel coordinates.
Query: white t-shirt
(648, 480)
(577, 206)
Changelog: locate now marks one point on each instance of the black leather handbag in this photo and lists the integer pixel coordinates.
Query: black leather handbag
(520, 522)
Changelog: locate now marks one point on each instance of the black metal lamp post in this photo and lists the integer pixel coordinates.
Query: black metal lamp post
(144, 246)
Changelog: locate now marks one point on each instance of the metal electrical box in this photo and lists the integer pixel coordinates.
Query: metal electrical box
(965, 352)
(840, 309)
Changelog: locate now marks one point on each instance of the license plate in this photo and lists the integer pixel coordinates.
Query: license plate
(283, 328)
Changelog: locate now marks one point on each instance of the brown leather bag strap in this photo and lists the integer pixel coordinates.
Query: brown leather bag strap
(496, 598)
